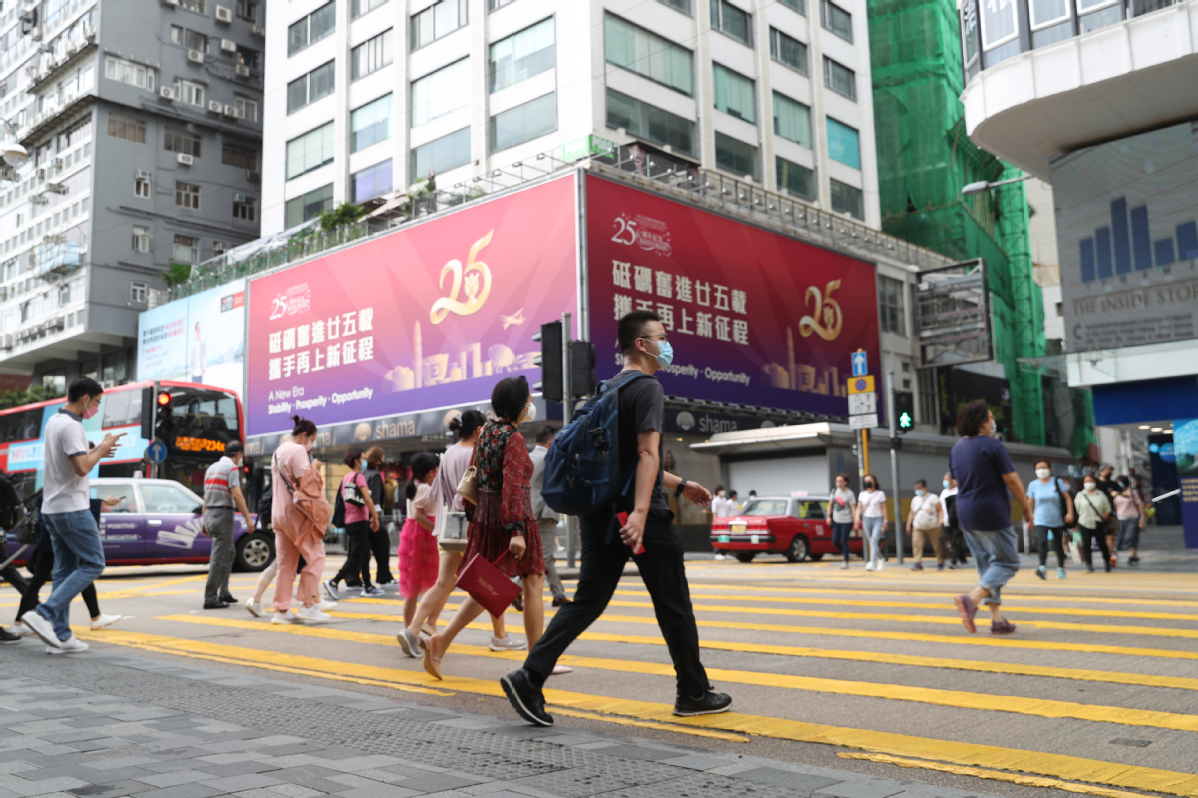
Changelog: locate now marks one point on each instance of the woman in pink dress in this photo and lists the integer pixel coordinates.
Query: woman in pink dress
(418, 557)
(503, 529)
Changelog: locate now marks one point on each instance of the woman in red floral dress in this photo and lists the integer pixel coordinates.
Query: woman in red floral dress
(503, 530)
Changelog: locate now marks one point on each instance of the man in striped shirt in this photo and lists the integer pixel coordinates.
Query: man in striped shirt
(222, 495)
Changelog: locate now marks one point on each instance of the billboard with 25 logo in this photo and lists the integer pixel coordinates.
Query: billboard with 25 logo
(755, 317)
(430, 316)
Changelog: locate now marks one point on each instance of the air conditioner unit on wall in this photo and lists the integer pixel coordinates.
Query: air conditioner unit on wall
(166, 93)
(195, 56)
(243, 71)
(171, 3)
(258, 31)
(185, 159)
(141, 174)
(56, 163)
(228, 46)
(40, 174)
(56, 188)
(224, 14)
(35, 33)
(231, 110)
(239, 197)
(214, 106)
(252, 176)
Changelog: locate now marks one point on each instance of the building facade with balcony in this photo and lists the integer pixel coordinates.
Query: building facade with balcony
(369, 97)
(143, 124)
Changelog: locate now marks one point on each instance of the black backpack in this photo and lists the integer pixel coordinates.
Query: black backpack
(950, 504)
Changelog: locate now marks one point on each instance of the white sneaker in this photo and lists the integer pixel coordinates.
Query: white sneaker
(373, 592)
(312, 615)
(21, 630)
(869, 566)
(844, 566)
(71, 645)
(326, 605)
(42, 628)
(409, 642)
(508, 644)
(254, 608)
(285, 617)
(559, 670)
(329, 591)
(719, 556)
(881, 564)
(105, 620)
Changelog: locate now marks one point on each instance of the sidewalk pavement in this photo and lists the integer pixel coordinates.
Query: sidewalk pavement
(107, 724)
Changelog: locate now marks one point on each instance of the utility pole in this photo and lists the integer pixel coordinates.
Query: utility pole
(894, 497)
(567, 406)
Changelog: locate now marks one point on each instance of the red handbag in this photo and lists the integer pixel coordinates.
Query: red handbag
(488, 585)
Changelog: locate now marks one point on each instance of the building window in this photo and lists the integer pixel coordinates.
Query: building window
(310, 87)
(128, 72)
(524, 122)
(247, 10)
(373, 181)
(189, 92)
(248, 57)
(137, 293)
(440, 92)
(186, 249)
(796, 5)
(795, 180)
(247, 109)
(788, 51)
(178, 141)
(843, 144)
(1000, 23)
(730, 20)
(308, 206)
(834, 18)
(633, 48)
(370, 124)
(187, 195)
(649, 122)
(310, 151)
(840, 79)
(679, 5)
(440, 155)
(312, 28)
(735, 156)
(734, 94)
(141, 239)
(493, 5)
(193, 5)
(127, 128)
(141, 187)
(523, 54)
(193, 40)
(243, 207)
(891, 293)
(239, 156)
(792, 120)
(847, 199)
(439, 19)
(371, 55)
(359, 7)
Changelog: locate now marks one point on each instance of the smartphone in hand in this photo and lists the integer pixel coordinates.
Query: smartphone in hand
(623, 519)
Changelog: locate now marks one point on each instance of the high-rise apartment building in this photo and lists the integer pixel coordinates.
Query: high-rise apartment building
(369, 97)
(143, 124)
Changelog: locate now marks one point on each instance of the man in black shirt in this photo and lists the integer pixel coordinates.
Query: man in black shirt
(644, 343)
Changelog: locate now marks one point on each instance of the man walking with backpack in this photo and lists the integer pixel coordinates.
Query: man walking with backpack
(639, 525)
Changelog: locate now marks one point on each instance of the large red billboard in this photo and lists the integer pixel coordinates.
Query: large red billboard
(755, 317)
(426, 317)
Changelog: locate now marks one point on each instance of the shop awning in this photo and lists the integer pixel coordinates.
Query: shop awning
(798, 436)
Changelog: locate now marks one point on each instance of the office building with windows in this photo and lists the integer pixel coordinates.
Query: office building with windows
(367, 98)
(143, 126)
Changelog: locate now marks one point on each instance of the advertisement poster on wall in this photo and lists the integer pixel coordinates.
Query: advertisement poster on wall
(755, 318)
(428, 317)
(197, 339)
(1185, 457)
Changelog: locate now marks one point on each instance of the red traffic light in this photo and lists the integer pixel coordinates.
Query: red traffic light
(164, 399)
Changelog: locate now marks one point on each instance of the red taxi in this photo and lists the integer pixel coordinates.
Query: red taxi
(794, 526)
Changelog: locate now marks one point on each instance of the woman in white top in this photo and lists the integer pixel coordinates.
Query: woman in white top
(871, 504)
(453, 465)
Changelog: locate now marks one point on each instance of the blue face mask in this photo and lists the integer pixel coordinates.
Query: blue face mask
(945, 483)
(920, 491)
(665, 353)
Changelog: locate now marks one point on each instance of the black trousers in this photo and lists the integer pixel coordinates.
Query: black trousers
(43, 566)
(10, 573)
(357, 558)
(379, 545)
(1057, 545)
(1099, 535)
(956, 542)
(602, 566)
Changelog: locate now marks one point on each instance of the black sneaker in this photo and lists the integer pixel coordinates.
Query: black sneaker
(7, 638)
(215, 604)
(229, 598)
(710, 703)
(528, 701)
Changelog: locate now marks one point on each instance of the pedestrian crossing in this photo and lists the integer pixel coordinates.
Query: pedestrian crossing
(875, 668)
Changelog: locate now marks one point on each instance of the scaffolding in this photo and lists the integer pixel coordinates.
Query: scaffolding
(925, 158)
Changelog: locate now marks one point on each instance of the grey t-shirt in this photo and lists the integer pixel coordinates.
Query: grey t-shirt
(64, 490)
(841, 502)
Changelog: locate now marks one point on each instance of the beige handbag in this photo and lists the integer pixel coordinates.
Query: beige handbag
(468, 487)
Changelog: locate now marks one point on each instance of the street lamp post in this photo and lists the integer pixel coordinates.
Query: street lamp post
(11, 150)
(983, 186)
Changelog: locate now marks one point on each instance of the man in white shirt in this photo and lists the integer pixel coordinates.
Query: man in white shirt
(719, 509)
(66, 510)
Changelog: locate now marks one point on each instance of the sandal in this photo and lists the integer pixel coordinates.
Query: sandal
(431, 663)
(968, 610)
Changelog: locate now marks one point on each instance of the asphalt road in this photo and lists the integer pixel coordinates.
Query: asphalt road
(1097, 692)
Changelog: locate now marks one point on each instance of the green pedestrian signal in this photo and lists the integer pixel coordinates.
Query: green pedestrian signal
(904, 409)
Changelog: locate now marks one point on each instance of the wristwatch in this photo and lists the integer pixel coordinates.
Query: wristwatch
(678, 490)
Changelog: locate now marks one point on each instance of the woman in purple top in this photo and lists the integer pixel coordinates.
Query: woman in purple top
(983, 471)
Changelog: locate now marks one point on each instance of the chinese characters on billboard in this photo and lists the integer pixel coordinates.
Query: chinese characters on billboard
(755, 318)
(427, 317)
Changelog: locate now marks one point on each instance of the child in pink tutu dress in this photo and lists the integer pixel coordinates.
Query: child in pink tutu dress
(418, 556)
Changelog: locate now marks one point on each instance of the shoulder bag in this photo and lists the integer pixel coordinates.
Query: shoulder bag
(468, 485)
(450, 527)
(26, 529)
(351, 490)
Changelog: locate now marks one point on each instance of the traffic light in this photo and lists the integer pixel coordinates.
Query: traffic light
(582, 368)
(904, 409)
(147, 413)
(165, 422)
(550, 361)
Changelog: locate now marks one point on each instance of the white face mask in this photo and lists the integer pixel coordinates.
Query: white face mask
(1090, 487)
(530, 412)
(1042, 473)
